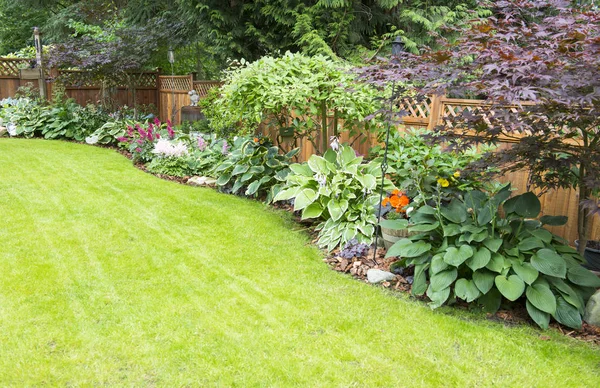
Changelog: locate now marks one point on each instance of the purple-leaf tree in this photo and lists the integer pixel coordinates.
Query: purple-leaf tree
(537, 66)
(112, 58)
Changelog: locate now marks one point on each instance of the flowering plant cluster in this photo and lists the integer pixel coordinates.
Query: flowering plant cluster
(397, 200)
(139, 139)
(166, 148)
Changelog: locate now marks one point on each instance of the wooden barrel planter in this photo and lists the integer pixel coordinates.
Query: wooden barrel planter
(390, 236)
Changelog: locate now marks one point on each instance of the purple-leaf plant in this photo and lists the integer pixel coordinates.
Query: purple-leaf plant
(536, 65)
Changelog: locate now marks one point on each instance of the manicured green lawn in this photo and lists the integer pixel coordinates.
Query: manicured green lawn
(110, 276)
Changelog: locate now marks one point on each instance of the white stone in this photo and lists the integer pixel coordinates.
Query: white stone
(201, 181)
(592, 310)
(378, 276)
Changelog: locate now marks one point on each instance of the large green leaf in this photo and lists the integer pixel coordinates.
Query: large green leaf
(424, 227)
(484, 280)
(407, 248)
(301, 169)
(530, 243)
(337, 208)
(542, 234)
(554, 220)
(528, 205)
(484, 216)
(223, 179)
(496, 263)
(455, 212)
(314, 210)
(398, 224)
(541, 297)
(511, 288)
(304, 198)
(480, 259)
(458, 256)
(538, 316)
(493, 244)
(451, 230)
(240, 169)
(582, 276)
(437, 264)
(318, 165)
(438, 298)
(549, 262)
(490, 301)
(525, 271)
(466, 290)
(419, 285)
(443, 279)
(284, 194)
(253, 188)
(567, 314)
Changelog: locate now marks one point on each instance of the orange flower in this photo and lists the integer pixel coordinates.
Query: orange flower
(385, 201)
(256, 139)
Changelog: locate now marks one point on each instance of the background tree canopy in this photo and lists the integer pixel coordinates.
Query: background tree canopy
(208, 33)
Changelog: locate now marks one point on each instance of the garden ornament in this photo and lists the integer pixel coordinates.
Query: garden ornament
(194, 97)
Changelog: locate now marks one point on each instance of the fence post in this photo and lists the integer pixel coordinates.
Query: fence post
(435, 115)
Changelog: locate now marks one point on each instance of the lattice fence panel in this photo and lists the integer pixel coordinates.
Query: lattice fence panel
(202, 87)
(77, 79)
(9, 67)
(451, 112)
(147, 80)
(417, 109)
(182, 83)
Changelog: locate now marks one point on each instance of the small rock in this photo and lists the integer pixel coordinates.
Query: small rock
(409, 279)
(357, 264)
(3, 131)
(592, 310)
(377, 276)
(201, 181)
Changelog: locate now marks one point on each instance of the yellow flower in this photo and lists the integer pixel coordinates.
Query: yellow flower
(457, 174)
(443, 182)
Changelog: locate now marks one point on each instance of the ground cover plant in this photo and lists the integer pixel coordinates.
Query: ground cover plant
(131, 280)
(339, 190)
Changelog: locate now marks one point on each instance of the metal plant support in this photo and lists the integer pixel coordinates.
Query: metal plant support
(397, 49)
(171, 57)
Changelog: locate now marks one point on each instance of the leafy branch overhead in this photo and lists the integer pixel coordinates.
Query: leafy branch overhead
(537, 66)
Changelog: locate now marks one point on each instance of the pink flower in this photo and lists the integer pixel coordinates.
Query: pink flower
(138, 149)
(130, 131)
(201, 144)
(122, 139)
(157, 122)
(170, 131)
(140, 141)
(157, 135)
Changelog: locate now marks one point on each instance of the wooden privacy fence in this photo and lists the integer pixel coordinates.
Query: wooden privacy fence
(173, 94)
(163, 92)
(440, 109)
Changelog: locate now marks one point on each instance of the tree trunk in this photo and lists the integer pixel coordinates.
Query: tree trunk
(583, 221)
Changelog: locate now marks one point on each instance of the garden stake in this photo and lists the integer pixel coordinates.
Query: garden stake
(384, 167)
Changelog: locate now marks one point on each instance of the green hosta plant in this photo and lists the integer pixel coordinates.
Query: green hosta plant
(418, 167)
(468, 250)
(254, 165)
(339, 189)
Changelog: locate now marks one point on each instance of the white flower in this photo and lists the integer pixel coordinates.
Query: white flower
(91, 139)
(165, 148)
(321, 179)
(335, 143)
(12, 129)
(409, 210)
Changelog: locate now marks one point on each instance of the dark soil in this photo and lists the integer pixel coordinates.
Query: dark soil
(593, 244)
